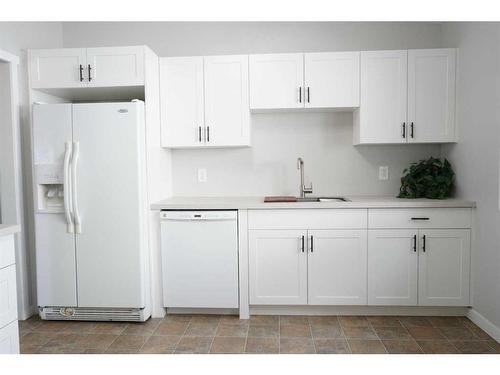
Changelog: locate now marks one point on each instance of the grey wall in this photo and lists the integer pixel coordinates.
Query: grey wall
(476, 157)
(323, 139)
(16, 38)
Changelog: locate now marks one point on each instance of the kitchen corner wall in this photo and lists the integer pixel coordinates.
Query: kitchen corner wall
(323, 139)
(16, 38)
(477, 156)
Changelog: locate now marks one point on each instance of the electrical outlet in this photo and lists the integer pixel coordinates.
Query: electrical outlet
(383, 172)
(202, 175)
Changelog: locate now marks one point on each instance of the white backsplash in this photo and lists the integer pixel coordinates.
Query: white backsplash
(322, 139)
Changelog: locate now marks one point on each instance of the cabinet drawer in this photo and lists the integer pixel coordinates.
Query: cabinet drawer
(7, 255)
(308, 219)
(419, 218)
(8, 299)
(9, 339)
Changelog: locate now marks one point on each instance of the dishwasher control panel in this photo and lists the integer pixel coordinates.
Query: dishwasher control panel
(198, 215)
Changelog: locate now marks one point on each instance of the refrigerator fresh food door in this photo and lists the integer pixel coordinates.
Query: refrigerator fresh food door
(55, 242)
(108, 204)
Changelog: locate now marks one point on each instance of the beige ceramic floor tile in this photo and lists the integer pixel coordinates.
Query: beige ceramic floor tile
(194, 345)
(402, 346)
(160, 344)
(392, 333)
(437, 347)
(296, 346)
(331, 346)
(295, 330)
(367, 346)
(262, 345)
(226, 345)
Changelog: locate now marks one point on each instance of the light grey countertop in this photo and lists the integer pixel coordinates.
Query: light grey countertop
(6, 229)
(257, 203)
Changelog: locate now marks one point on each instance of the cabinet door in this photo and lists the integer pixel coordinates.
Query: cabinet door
(383, 97)
(182, 107)
(431, 95)
(9, 339)
(444, 267)
(278, 267)
(227, 112)
(337, 267)
(276, 81)
(392, 267)
(331, 79)
(8, 299)
(58, 68)
(116, 66)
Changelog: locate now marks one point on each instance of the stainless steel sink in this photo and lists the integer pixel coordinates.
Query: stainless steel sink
(323, 199)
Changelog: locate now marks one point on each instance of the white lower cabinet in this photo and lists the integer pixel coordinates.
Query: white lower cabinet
(278, 267)
(444, 267)
(9, 334)
(419, 267)
(9, 339)
(399, 258)
(392, 267)
(337, 263)
(316, 267)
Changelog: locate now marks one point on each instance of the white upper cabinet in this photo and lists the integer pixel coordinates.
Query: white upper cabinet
(407, 97)
(86, 67)
(227, 113)
(182, 106)
(204, 101)
(431, 95)
(55, 68)
(382, 113)
(444, 267)
(331, 79)
(115, 66)
(276, 81)
(337, 264)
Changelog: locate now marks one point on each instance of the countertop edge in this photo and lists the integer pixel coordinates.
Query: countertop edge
(244, 203)
(7, 229)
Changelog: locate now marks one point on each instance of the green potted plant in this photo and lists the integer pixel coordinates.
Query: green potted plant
(432, 178)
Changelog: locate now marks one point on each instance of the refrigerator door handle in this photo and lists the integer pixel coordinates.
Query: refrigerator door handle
(76, 212)
(67, 188)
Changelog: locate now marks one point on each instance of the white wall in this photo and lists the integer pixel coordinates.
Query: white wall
(323, 139)
(476, 157)
(16, 37)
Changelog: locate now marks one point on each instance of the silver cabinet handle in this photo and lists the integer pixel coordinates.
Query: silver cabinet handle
(302, 240)
(208, 134)
(308, 96)
(414, 243)
(90, 76)
(300, 94)
(423, 243)
(199, 134)
(312, 244)
(81, 73)
(403, 134)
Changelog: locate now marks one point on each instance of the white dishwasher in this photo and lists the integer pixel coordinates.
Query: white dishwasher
(199, 259)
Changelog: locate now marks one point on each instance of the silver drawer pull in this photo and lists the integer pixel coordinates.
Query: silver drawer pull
(420, 218)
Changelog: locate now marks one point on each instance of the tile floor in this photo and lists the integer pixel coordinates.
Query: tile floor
(260, 334)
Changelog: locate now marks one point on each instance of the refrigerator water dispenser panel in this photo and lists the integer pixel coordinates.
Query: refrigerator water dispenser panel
(50, 187)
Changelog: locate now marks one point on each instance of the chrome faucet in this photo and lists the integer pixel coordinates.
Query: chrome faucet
(303, 188)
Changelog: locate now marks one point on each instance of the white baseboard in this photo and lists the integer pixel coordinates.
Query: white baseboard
(358, 310)
(484, 324)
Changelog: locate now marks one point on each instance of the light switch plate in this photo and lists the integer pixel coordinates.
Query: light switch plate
(202, 175)
(383, 172)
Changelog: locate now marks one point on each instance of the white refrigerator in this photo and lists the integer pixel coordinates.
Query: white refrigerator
(90, 211)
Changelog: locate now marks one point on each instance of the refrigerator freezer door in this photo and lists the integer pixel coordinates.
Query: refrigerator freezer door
(109, 187)
(55, 247)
